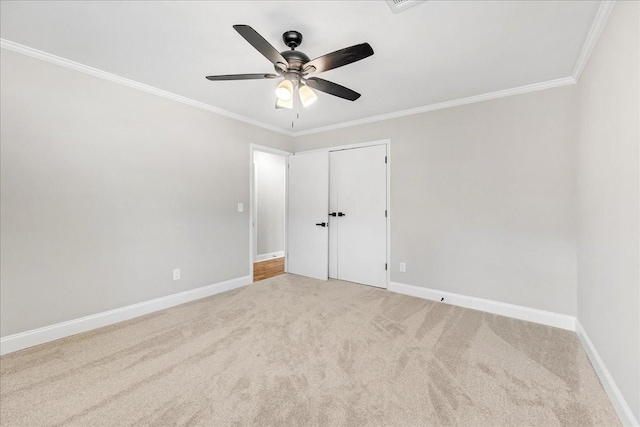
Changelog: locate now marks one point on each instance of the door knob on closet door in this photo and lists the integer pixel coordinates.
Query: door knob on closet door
(341, 214)
(332, 214)
(322, 224)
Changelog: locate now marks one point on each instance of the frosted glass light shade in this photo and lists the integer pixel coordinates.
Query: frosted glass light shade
(284, 104)
(307, 96)
(284, 91)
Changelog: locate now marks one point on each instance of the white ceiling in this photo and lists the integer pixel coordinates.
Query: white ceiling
(432, 53)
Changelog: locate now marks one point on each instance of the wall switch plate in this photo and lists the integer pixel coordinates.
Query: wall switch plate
(176, 274)
(403, 267)
(240, 207)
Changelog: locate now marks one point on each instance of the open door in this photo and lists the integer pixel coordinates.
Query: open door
(308, 237)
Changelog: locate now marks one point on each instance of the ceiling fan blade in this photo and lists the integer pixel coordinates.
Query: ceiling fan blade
(332, 88)
(262, 46)
(243, 76)
(339, 58)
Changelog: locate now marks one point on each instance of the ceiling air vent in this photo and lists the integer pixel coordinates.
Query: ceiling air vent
(401, 5)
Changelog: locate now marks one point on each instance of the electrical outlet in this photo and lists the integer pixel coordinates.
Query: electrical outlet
(240, 207)
(403, 267)
(176, 274)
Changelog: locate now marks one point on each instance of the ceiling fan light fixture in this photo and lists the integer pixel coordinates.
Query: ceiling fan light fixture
(284, 104)
(284, 91)
(307, 95)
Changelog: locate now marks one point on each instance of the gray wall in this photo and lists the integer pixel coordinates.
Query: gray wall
(270, 171)
(105, 189)
(609, 195)
(483, 197)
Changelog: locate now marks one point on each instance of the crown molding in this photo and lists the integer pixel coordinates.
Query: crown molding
(603, 13)
(448, 104)
(600, 20)
(594, 33)
(34, 53)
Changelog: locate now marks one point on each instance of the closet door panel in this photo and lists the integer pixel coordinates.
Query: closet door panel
(308, 240)
(360, 176)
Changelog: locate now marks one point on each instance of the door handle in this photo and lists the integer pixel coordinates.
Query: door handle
(322, 224)
(341, 214)
(332, 214)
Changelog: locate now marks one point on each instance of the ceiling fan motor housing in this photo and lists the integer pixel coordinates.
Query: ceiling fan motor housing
(295, 58)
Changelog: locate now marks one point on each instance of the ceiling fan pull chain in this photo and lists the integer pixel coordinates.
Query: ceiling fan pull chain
(296, 101)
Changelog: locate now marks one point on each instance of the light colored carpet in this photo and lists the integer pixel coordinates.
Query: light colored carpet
(293, 351)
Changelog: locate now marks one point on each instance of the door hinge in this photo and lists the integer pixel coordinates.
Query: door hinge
(385, 266)
(385, 159)
(385, 213)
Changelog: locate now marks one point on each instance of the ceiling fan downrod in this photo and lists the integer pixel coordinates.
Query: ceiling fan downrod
(292, 38)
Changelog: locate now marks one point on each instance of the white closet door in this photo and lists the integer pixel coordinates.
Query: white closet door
(308, 247)
(359, 193)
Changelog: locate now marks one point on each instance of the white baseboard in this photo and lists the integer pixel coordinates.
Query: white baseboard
(270, 255)
(618, 401)
(510, 310)
(45, 334)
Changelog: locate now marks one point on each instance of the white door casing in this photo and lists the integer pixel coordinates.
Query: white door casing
(308, 243)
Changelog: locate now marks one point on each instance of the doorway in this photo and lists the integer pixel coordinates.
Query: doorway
(268, 212)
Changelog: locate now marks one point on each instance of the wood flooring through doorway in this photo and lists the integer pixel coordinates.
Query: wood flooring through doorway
(269, 268)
